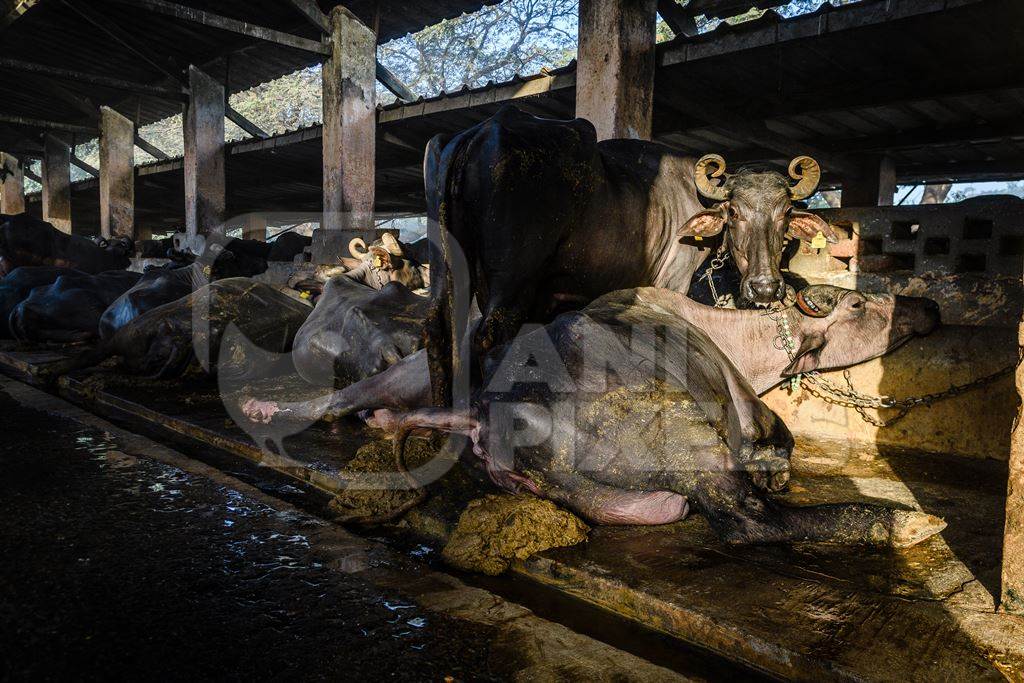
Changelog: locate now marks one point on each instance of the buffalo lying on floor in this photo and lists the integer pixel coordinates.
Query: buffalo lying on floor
(69, 310)
(592, 413)
(386, 261)
(286, 246)
(250, 315)
(162, 285)
(28, 241)
(356, 332)
(19, 283)
(830, 328)
(549, 219)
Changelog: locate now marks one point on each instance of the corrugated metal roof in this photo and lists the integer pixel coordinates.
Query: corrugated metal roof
(141, 46)
(936, 84)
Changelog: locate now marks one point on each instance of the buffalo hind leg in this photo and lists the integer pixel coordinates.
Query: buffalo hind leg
(601, 504)
(740, 514)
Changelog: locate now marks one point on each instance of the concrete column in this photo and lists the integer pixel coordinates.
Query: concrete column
(57, 183)
(12, 185)
(204, 155)
(349, 136)
(1013, 536)
(615, 67)
(874, 186)
(117, 174)
(255, 227)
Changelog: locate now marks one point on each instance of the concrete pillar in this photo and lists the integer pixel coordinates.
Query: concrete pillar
(204, 155)
(117, 174)
(57, 183)
(349, 136)
(12, 185)
(255, 227)
(615, 67)
(875, 185)
(1013, 535)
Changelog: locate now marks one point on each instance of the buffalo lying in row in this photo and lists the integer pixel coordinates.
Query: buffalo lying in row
(19, 283)
(545, 215)
(80, 307)
(69, 310)
(165, 284)
(388, 260)
(356, 332)
(29, 241)
(233, 326)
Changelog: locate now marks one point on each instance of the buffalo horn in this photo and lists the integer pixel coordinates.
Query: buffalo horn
(807, 172)
(713, 165)
(355, 245)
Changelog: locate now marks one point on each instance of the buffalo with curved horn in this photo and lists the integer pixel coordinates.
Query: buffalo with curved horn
(548, 216)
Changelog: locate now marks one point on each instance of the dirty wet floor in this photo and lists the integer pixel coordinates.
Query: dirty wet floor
(117, 567)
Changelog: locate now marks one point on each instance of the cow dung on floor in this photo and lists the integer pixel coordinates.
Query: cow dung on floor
(377, 456)
(499, 528)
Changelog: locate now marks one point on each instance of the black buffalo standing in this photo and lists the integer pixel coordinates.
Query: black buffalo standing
(546, 215)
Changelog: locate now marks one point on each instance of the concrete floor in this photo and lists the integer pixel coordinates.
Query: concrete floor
(125, 560)
(806, 612)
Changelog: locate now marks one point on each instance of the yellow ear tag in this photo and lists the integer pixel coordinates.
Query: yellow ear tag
(819, 241)
(698, 238)
(305, 295)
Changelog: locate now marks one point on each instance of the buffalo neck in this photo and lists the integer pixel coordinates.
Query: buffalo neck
(746, 337)
(672, 201)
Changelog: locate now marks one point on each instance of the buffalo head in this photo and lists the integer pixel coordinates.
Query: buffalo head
(758, 209)
(840, 327)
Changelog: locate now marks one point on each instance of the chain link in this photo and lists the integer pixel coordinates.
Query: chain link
(719, 259)
(830, 392)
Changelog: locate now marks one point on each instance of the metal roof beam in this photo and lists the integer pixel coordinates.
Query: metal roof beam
(390, 81)
(150, 148)
(47, 125)
(223, 23)
(91, 79)
(166, 66)
(679, 20)
(242, 122)
(310, 10)
(85, 166)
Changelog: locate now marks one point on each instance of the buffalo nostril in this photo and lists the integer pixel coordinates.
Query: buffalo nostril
(764, 291)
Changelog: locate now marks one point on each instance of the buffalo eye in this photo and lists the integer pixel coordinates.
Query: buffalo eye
(857, 304)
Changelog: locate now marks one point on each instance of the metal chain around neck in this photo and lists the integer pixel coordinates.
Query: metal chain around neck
(717, 262)
(830, 392)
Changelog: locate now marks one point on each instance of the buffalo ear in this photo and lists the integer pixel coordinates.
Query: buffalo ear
(807, 357)
(806, 225)
(707, 223)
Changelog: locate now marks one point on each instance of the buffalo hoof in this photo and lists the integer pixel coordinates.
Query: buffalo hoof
(910, 527)
(769, 473)
(260, 411)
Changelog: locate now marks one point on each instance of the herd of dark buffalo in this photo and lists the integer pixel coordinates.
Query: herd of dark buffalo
(544, 322)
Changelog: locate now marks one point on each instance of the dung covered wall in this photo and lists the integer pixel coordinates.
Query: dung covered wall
(974, 424)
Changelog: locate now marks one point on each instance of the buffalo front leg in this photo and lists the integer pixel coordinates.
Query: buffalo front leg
(740, 514)
(503, 314)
